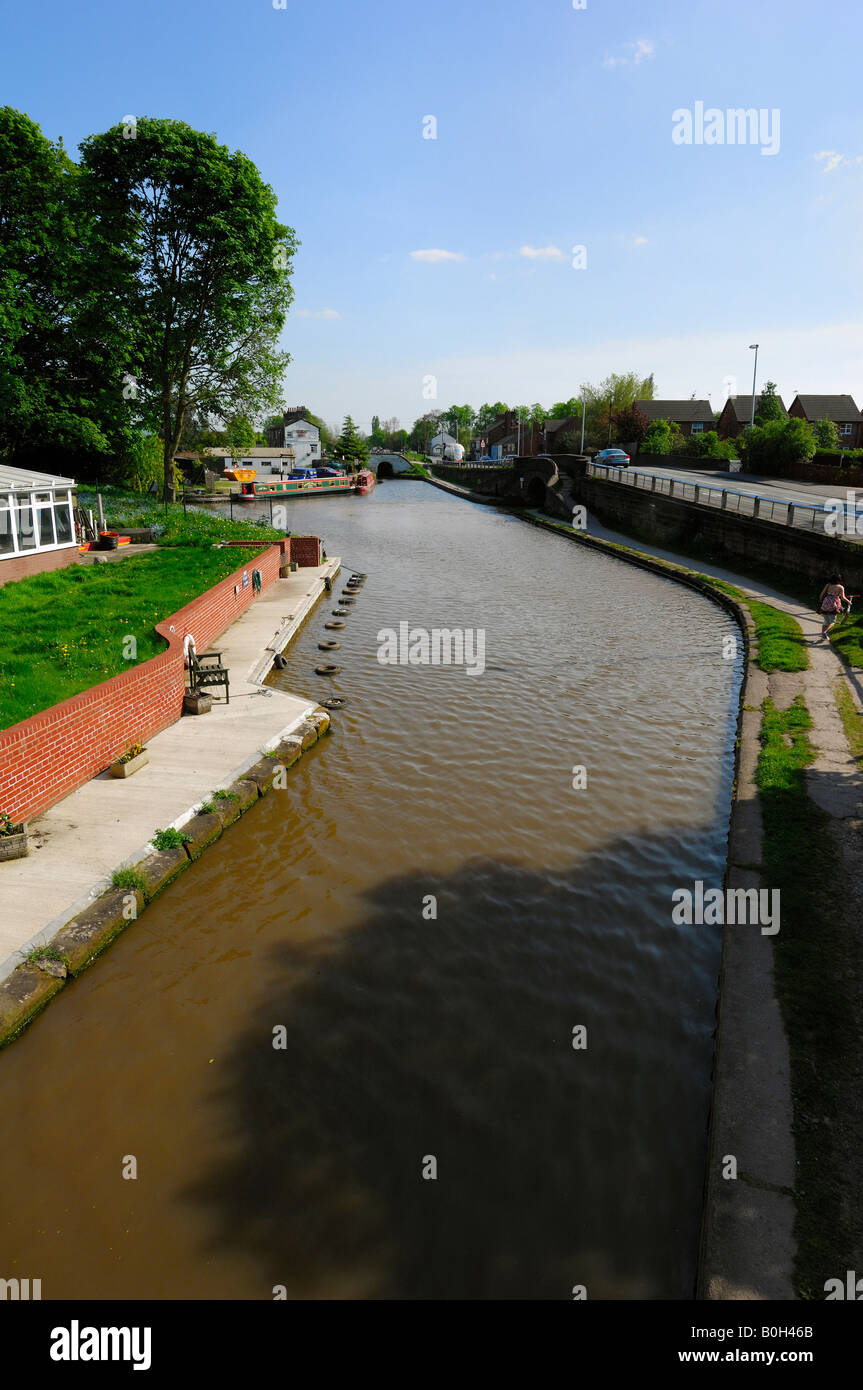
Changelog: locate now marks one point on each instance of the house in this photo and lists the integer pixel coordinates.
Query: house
(37, 523)
(554, 430)
(217, 458)
(736, 415)
(690, 417)
(299, 433)
(840, 409)
(508, 436)
(446, 446)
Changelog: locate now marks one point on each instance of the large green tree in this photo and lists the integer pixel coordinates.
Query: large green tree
(769, 405)
(349, 447)
(191, 255)
(60, 356)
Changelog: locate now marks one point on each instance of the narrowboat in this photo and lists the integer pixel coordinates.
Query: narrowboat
(308, 484)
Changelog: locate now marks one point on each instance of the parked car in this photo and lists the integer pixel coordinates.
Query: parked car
(617, 457)
(303, 473)
(325, 471)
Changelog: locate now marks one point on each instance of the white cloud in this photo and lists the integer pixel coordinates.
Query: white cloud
(318, 314)
(639, 241)
(543, 253)
(433, 256)
(636, 54)
(834, 160)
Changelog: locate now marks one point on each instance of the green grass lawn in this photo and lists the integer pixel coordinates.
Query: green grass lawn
(847, 638)
(781, 644)
(61, 633)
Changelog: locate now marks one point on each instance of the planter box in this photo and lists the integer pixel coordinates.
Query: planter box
(197, 702)
(14, 846)
(119, 769)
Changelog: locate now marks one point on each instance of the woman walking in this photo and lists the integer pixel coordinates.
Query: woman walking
(831, 602)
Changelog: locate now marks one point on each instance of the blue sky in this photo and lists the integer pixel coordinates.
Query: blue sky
(554, 130)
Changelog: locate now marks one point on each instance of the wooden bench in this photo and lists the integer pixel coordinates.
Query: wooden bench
(207, 670)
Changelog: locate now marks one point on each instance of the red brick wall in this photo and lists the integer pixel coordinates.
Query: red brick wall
(40, 562)
(45, 757)
(306, 550)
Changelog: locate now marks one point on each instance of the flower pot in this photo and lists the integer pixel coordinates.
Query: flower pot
(14, 846)
(108, 540)
(119, 769)
(197, 702)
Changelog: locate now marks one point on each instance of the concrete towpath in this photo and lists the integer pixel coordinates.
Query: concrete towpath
(108, 822)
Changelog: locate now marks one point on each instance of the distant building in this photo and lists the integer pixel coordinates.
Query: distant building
(218, 458)
(840, 409)
(554, 430)
(37, 523)
(299, 433)
(690, 417)
(446, 447)
(507, 436)
(736, 415)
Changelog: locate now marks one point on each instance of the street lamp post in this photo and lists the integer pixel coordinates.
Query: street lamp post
(754, 370)
(583, 413)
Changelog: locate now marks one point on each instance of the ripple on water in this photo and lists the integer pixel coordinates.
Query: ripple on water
(407, 1036)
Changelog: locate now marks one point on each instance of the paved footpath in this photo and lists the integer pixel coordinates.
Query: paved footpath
(108, 822)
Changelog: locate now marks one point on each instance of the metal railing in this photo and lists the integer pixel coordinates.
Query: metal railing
(844, 518)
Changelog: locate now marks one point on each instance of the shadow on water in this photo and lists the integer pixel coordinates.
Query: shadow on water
(408, 1037)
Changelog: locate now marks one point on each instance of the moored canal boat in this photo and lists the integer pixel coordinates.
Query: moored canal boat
(360, 482)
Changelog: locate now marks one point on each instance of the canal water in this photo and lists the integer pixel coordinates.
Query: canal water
(421, 1026)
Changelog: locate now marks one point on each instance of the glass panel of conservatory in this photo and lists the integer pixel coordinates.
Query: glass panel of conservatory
(63, 519)
(26, 533)
(6, 545)
(46, 525)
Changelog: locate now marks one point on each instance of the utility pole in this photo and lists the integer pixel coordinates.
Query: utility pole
(583, 413)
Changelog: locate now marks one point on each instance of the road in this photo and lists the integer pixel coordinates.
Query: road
(787, 501)
(782, 489)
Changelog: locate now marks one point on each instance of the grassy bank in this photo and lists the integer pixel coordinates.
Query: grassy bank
(172, 525)
(61, 633)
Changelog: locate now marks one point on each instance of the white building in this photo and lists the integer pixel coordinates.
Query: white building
(298, 433)
(446, 447)
(37, 523)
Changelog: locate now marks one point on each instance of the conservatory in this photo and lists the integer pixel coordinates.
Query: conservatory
(37, 524)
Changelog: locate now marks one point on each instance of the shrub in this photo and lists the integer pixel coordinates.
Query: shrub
(772, 447)
(708, 446)
(826, 434)
(661, 437)
(169, 839)
(128, 878)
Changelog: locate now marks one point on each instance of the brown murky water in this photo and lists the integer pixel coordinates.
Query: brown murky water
(408, 1038)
